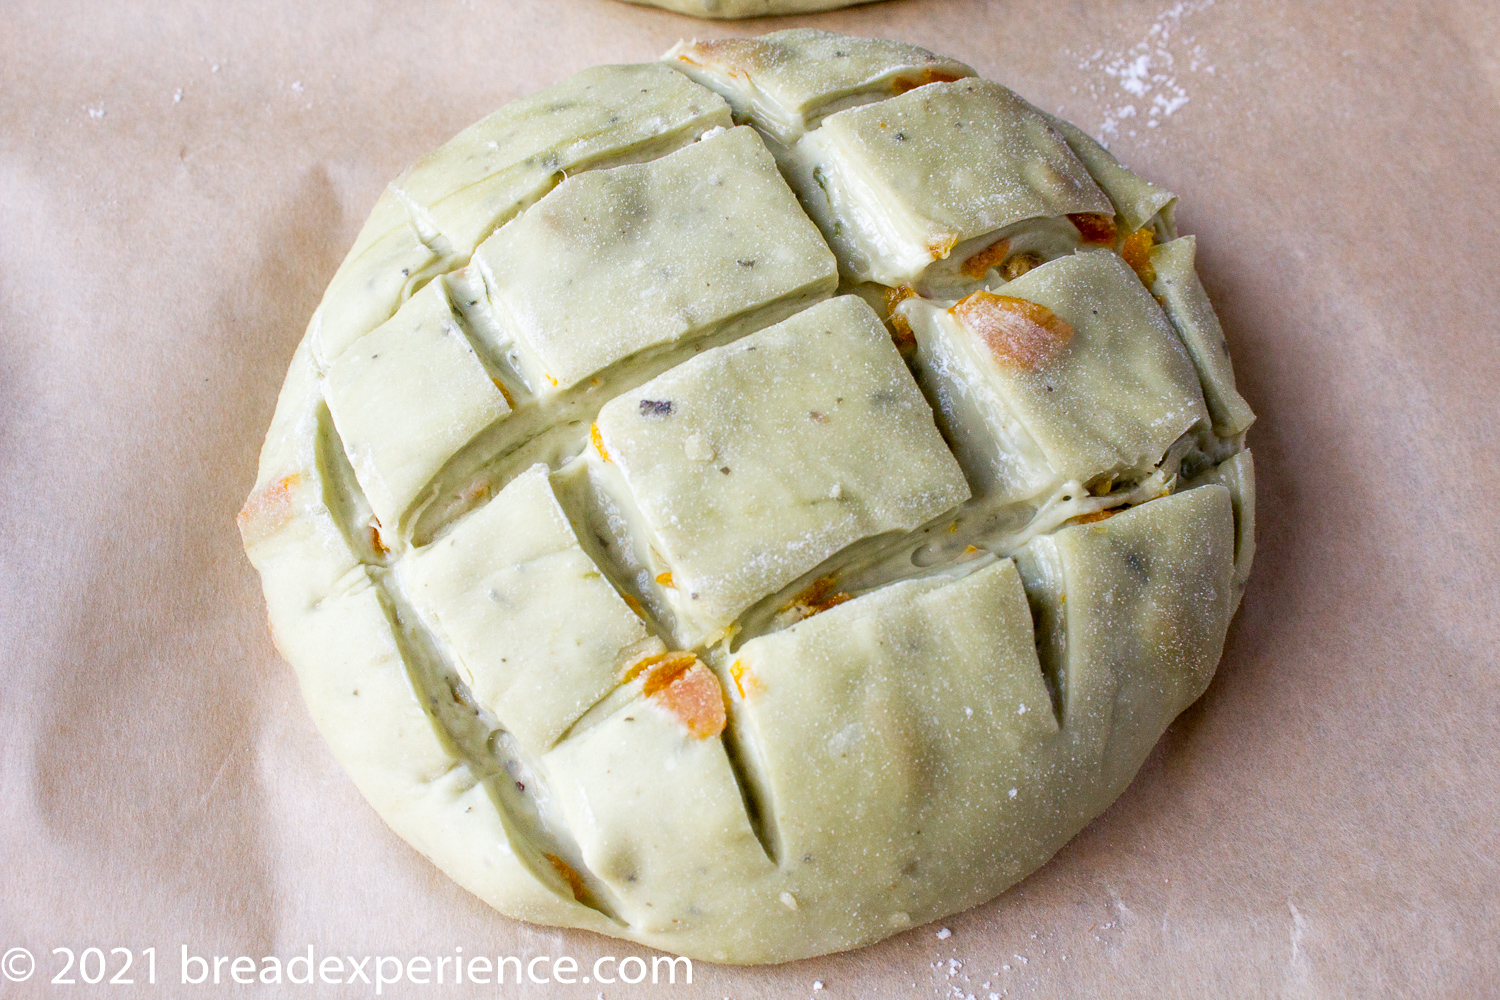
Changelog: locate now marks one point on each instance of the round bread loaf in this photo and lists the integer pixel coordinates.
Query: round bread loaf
(757, 501)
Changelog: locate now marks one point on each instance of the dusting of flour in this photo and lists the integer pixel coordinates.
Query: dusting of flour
(1144, 85)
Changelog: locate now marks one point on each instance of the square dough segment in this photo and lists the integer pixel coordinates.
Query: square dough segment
(786, 82)
(899, 184)
(406, 397)
(660, 819)
(370, 287)
(616, 262)
(905, 730)
(491, 170)
(1134, 609)
(1111, 401)
(754, 462)
(538, 634)
(605, 115)
(433, 216)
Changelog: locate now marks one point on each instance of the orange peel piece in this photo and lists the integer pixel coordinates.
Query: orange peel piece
(902, 84)
(673, 659)
(901, 333)
(979, 264)
(1095, 227)
(376, 542)
(818, 597)
(574, 880)
(268, 510)
(736, 56)
(1019, 265)
(745, 680)
(598, 441)
(1017, 332)
(1137, 253)
(941, 246)
(692, 694)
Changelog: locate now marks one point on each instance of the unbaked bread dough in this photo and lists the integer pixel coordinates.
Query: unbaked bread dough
(758, 501)
(729, 9)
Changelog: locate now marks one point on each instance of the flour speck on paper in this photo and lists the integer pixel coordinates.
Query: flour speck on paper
(1141, 86)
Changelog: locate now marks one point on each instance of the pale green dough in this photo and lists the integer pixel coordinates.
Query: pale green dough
(1122, 390)
(602, 116)
(1237, 475)
(786, 82)
(661, 822)
(1137, 201)
(370, 287)
(754, 462)
(1109, 403)
(433, 216)
(728, 9)
(1136, 607)
(605, 116)
(647, 585)
(536, 632)
(889, 713)
(1187, 305)
(357, 680)
(899, 184)
(622, 261)
(406, 397)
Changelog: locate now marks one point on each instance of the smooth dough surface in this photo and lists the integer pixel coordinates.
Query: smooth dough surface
(649, 581)
(730, 9)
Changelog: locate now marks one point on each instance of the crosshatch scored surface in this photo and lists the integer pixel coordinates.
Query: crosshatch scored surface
(757, 501)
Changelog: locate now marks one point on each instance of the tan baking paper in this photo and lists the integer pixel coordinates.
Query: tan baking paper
(178, 181)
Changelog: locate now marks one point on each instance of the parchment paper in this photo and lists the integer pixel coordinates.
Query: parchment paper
(178, 181)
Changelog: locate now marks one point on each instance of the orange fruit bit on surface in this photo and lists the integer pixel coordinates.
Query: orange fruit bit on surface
(1019, 265)
(941, 246)
(574, 880)
(1018, 333)
(1137, 253)
(979, 264)
(816, 590)
(745, 681)
(675, 660)
(736, 56)
(510, 400)
(902, 84)
(831, 601)
(818, 596)
(1097, 515)
(692, 694)
(1095, 227)
(665, 579)
(375, 541)
(268, 509)
(906, 341)
(598, 440)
